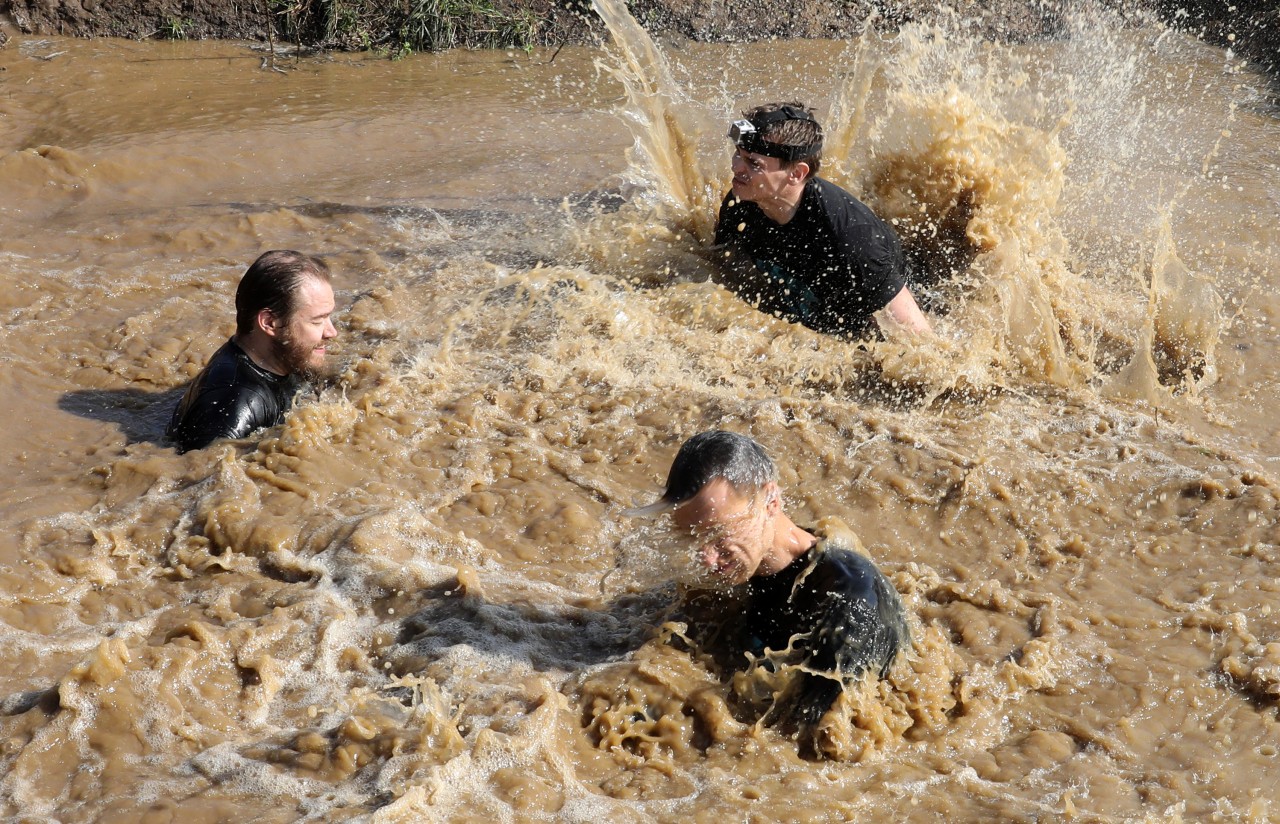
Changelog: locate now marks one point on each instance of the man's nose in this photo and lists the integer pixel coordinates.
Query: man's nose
(709, 555)
(739, 165)
(330, 331)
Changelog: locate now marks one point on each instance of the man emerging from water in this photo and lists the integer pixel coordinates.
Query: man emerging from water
(809, 600)
(283, 307)
(800, 247)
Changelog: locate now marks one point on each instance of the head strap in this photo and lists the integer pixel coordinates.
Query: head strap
(748, 135)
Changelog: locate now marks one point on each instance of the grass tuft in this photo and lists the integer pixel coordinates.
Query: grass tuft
(408, 26)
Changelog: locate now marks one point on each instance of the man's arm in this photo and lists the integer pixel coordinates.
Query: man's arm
(736, 271)
(856, 625)
(836, 649)
(905, 312)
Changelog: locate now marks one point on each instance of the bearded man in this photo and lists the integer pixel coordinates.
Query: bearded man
(284, 305)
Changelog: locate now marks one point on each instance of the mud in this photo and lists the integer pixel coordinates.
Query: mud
(418, 600)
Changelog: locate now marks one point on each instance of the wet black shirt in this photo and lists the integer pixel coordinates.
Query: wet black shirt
(231, 397)
(841, 614)
(829, 267)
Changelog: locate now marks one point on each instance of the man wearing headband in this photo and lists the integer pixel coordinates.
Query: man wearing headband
(801, 247)
(810, 601)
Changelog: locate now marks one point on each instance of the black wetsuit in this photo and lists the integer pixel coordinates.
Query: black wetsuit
(841, 614)
(829, 267)
(231, 397)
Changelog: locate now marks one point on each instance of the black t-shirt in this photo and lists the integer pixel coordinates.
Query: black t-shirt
(829, 267)
(839, 614)
(231, 397)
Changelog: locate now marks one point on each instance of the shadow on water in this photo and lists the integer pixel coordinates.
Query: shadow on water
(547, 637)
(142, 416)
(508, 237)
(606, 199)
(22, 702)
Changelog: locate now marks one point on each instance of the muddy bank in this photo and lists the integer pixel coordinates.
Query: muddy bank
(1251, 29)
(320, 24)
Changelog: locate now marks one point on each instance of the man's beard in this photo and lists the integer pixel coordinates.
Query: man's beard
(295, 356)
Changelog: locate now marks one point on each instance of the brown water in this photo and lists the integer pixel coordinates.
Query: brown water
(417, 599)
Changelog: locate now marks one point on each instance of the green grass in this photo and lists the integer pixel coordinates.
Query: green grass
(175, 28)
(400, 29)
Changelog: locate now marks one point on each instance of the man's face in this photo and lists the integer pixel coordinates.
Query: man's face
(301, 342)
(757, 177)
(727, 530)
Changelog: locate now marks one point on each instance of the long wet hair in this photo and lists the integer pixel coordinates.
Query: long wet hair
(273, 283)
(718, 454)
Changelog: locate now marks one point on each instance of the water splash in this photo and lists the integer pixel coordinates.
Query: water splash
(1183, 327)
(666, 133)
(964, 148)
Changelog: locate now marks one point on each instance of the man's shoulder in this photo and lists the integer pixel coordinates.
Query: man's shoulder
(839, 204)
(231, 368)
(228, 381)
(739, 221)
(821, 187)
(224, 366)
(839, 560)
(230, 386)
(228, 399)
(732, 206)
(839, 563)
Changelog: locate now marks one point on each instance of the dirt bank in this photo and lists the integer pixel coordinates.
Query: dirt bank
(1249, 27)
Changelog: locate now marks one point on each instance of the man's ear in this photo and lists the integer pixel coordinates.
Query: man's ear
(772, 498)
(266, 322)
(800, 172)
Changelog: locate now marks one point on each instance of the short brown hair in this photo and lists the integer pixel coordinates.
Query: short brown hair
(792, 132)
(273, 283)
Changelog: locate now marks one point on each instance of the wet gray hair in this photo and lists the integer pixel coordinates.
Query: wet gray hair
(707, 456)
(718, 454)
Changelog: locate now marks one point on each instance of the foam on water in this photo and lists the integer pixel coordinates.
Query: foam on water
(418, 600)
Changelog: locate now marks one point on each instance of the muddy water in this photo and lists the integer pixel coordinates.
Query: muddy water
(417, 600)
